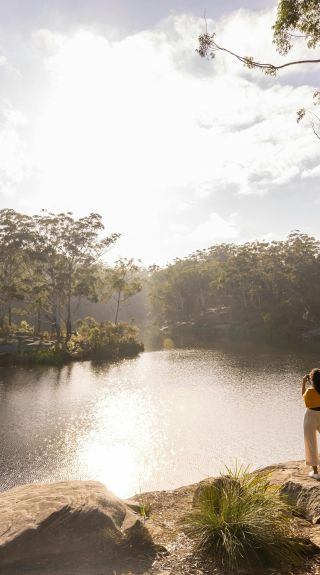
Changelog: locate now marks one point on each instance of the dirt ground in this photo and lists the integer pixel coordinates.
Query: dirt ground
(164, 523)
(176, 554)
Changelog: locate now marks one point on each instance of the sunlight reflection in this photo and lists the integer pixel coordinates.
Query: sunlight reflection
(161, 421)
(115, 447)
(116, 466)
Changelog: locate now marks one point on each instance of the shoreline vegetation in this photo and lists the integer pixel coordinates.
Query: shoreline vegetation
(103, 341)
(258, 291)
(53, 271)
(49, 265)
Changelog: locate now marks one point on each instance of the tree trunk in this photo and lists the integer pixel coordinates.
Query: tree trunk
(244, 297)
(69, 322)
(9, 314)
(202, 300)
(38, 328)
(118, 307)
(259, 302)
(56, 323)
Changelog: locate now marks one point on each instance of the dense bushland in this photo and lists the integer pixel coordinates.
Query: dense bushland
(51, 262)
(257, 289)
(48, 263)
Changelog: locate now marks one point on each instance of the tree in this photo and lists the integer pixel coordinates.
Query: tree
(66, 252)
(295, 19)
(120, 282)
(15, 234)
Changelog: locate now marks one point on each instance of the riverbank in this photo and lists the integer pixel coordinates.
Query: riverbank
(78, 528)
(59, 356)
(94, 341)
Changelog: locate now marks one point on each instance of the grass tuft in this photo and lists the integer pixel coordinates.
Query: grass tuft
(144, 507)
(241, 521)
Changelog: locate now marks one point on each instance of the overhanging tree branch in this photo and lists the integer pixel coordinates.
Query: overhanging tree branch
(208, 47)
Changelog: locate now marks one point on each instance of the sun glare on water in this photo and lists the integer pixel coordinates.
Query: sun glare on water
(115, 448)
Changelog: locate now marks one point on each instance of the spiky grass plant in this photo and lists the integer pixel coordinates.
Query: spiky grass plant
(144, 508)
(241, 520)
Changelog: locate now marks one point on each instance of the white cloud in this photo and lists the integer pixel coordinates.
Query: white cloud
(311, 173)
(204, 190)
(15, 162)
(145, 132)
(214, 229)
(130, 103)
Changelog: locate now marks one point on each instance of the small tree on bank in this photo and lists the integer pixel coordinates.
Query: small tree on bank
(120, 283)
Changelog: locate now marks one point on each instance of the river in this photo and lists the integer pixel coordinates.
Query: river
(161, 420)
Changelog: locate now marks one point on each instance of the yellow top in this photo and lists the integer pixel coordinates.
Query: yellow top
(311, 398)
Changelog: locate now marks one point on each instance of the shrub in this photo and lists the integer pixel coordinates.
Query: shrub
(168, 343)
(25, 328)
(6, 330)
(42, 357)
(105, 339)
(242, 521)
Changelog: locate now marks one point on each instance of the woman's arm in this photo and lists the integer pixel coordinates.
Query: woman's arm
(304, 383)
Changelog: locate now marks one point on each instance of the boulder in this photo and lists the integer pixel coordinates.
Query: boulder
(79, 524)
(301, 490)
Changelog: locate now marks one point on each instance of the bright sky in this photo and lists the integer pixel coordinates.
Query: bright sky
(106, 107)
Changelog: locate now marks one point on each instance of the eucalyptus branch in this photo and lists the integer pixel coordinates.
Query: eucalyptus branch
(208, 47)
(315, 124)
(314, 120)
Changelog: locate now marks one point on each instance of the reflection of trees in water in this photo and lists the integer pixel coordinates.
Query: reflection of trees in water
(25, 376)
(101, 367)
(255, 358)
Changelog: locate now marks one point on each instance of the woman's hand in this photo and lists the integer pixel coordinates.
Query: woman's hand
(304, 383)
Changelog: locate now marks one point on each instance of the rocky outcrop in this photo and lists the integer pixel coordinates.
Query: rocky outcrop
(169, 507)
(21, 343)
(302, 492)
(68, 527)
(80, 528)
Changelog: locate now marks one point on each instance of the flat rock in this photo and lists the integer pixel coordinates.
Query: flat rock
(302, 491)
(69, 527)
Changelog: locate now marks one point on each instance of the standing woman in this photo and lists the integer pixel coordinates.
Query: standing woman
(311, 398)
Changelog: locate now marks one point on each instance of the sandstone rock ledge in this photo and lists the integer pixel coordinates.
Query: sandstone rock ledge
(80, 528)
(69, 528)
(168, 507)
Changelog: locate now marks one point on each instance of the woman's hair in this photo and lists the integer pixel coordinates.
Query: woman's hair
(315, 379)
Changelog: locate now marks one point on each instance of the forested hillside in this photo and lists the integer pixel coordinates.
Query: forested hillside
(53, 272)
(258, 289)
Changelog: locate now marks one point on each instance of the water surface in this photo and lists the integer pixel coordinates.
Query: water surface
(159, 421)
